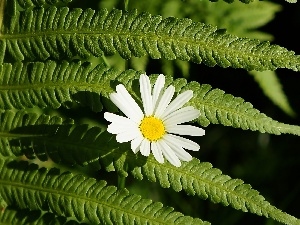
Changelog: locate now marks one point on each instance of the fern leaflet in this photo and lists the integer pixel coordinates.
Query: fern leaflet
(20, 217)
(66, 84)
(272, 88)
(29, 3)
(11, 122)
(62, 32)
(84, 198)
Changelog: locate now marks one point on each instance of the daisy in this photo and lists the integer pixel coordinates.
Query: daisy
(154, 129)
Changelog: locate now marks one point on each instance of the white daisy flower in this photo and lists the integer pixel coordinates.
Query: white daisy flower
(153, 130)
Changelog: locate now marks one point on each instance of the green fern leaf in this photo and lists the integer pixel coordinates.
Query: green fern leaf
(29, 3)
(11, 216)
(194, 178)
(52, 85)
(219, 108)
(84, 198)
(272, 88)
(86, 145)
(22, 86)
(62, 32)
(240, 19)
(201, 179)
(11, 122)
(47, 137)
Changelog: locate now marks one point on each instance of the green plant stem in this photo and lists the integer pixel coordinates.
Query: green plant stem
(122, 179)
(126, 2)
(105, 61)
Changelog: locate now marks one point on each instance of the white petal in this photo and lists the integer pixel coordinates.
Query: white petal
(145, 147)
(121, 103)
(111, 117)
(116, 128)
(178, 102)
(157, 152)
(168, 153)
(186, 130)
(179, 117)
(158, 86)
(127, 136)
(181, 110)
(179, 151)
(145, 89)
(164, 101)
(129, 101)
(135, 143)
(183, 142)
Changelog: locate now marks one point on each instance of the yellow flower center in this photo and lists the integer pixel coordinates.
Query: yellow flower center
(152, 128)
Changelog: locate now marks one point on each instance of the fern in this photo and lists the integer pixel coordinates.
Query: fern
(219, 108)
(83, 198)
(29, 3)
(201, 179)
(60, 85)
(20, 217)
(12, 121)
(240, 19)
(52, 103)
(22, 87)
(272, 88)
(194, 177)
(61, 32)
(86, 145)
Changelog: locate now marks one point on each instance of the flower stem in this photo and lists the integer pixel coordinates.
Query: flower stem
(122, 179)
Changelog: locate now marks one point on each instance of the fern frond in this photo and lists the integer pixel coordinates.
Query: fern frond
(11, 216)
(219, 108)
(239, 19)
(272, 88)
(62, 32)
(71, 145)
(22, 86)
(51, 84)
(200, 179)
(29, 3)
(11, 122)
(195, 178)
(84, 198)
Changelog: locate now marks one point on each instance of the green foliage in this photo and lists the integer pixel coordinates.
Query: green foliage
(237, 18)
(58, 66)
(62, 32)
(82, 84)
(240, 19)
(25, 216)
(193, 177)
(272, 88)
(29, 3)
(11, 122)
(201, 179)
(85, 199)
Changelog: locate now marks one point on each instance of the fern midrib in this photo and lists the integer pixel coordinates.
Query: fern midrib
(165, 38)
(30, 188)
(12, 135)
(54, 84)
